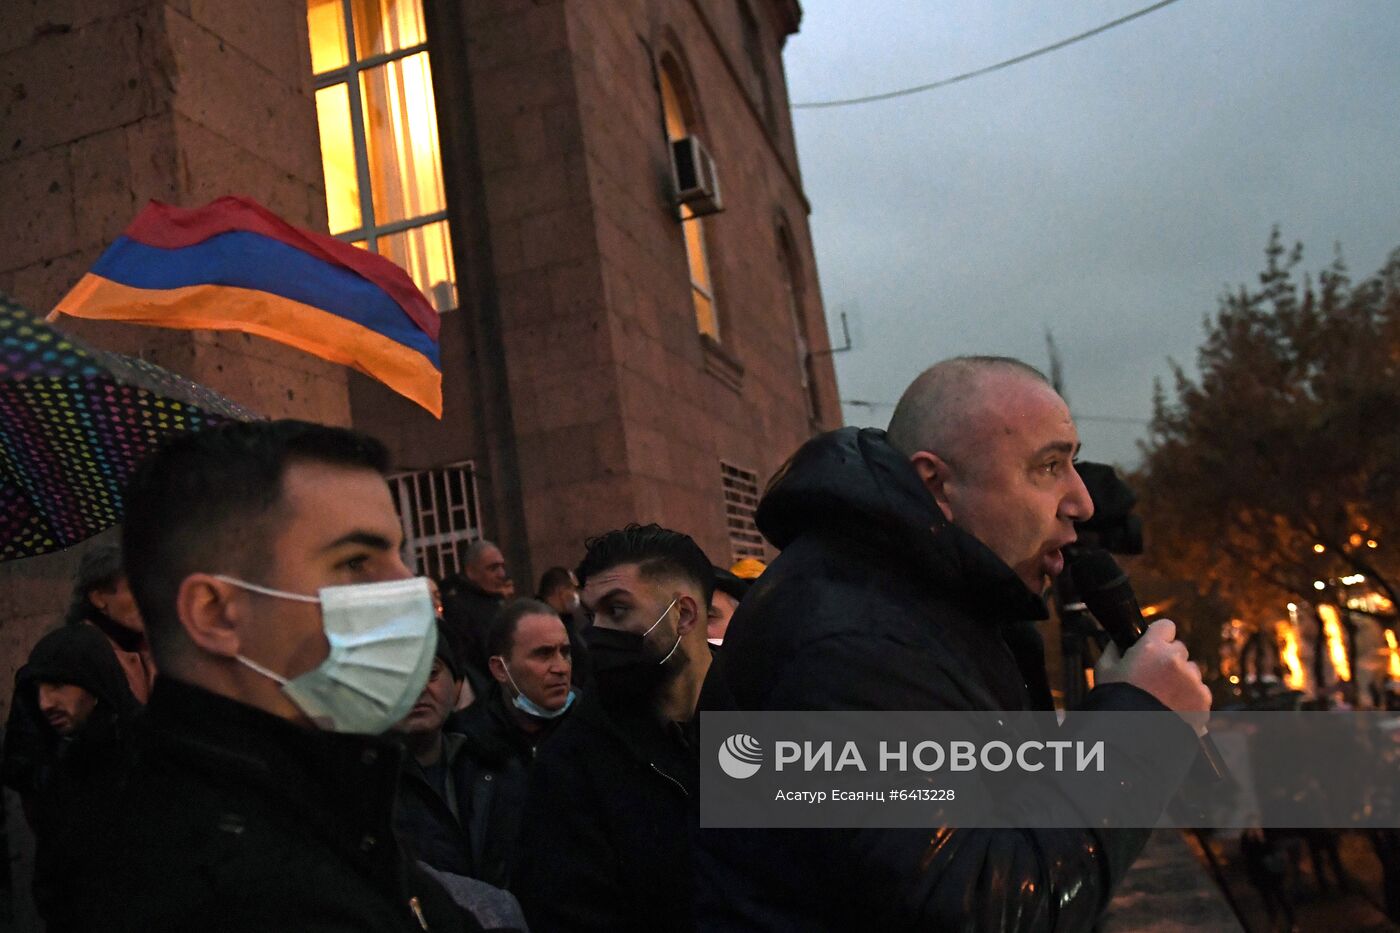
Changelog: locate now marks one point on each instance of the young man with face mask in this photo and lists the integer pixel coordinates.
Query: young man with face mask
(531, 662)
(288, 633)
(605, 838)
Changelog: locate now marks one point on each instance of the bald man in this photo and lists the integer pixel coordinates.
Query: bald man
(912, 568)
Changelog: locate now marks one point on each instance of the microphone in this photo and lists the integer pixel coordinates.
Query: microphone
(1105, 589)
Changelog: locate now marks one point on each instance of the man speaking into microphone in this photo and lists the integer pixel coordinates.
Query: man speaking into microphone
(912, 567)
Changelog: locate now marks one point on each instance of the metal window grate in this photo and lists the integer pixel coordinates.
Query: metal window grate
(740, 499)
(441, 516)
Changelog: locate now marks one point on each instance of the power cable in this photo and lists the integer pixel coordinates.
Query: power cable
(822, 104)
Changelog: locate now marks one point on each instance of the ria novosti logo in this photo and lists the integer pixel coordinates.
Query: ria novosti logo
(740, 756)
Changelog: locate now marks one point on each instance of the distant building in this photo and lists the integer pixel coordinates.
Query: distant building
(610, 354)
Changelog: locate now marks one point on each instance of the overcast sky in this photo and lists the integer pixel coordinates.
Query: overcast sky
(1109, 191)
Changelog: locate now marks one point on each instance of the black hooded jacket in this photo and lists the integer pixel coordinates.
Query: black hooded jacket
(59, 777)
(78, 655)
(878, 603)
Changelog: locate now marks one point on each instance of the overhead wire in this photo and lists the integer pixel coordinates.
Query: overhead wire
(944, 82)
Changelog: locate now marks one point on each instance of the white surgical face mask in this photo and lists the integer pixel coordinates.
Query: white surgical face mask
(383, 638)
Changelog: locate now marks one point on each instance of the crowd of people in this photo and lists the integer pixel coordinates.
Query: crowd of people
(332, 743)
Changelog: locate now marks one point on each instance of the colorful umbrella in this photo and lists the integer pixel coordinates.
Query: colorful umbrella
(74, 421)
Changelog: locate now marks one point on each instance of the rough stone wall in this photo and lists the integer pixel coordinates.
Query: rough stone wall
(574, 475)
(616, 409)
(105, 104)
(685, 403)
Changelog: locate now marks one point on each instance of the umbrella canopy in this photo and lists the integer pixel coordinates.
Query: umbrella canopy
(74, 422)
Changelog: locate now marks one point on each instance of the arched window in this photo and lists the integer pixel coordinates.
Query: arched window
(681, 122)
(787, 262)
(758, 64)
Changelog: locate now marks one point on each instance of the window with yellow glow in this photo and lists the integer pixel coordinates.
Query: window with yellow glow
(379, 136)
(680, 120)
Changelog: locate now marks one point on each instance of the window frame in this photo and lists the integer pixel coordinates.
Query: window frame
(449, 545)
(672, 74)
(369, 234)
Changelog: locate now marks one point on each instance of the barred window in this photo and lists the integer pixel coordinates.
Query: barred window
(740, 499)
(441, 516)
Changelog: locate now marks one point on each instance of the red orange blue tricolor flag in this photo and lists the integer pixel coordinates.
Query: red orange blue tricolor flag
(234, 265)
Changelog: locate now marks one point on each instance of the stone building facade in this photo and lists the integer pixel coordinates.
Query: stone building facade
(608, 355)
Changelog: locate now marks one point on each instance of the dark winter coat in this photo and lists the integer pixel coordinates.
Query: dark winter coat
(607, 833)
(878, 603)
(467, 612)
(231, 819)
(72, 654)
(58, 777)
(432, 827)
(488, 765)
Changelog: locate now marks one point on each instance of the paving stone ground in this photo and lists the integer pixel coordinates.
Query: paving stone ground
(1170, 890)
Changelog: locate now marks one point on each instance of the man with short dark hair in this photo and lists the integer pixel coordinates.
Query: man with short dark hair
(102, 598)
(605, 841)
(559, 588)
(531, 663)
(288, 633)
(470, 600)
(908, 561)
(729, 589)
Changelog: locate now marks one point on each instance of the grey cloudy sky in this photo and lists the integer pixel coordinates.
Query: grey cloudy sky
(1109, 191)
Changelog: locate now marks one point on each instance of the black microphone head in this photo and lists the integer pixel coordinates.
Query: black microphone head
(1105, 589)
(1094, 570)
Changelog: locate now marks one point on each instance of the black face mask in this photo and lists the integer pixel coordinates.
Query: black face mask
(625, 672)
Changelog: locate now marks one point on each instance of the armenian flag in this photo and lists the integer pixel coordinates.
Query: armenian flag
(234, 265)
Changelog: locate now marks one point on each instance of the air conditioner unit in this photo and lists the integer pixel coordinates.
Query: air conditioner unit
(697, 185)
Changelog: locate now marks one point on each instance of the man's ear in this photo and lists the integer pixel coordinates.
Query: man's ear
(688, 614)
(211, 613)
(937, 476)
(497, 665)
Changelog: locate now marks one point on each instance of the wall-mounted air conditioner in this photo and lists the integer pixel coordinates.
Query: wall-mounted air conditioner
(693, 170)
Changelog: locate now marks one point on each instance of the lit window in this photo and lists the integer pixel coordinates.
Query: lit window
(441, 516)
(379, 136)
(680, 121)
(740, 501)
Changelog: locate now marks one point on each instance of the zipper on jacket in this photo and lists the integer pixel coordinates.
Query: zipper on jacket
(417, 909)
(668, 777)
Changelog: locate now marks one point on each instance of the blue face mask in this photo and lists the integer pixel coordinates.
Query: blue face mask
(528, 706)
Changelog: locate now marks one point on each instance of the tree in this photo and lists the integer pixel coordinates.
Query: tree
(1279, 464)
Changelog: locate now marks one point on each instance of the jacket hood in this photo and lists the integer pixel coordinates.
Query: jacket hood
(853, 484)
(80, 654)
